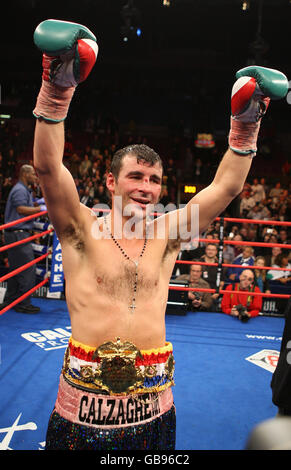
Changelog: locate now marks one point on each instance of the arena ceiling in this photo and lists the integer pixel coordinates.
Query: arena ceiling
(189, 33)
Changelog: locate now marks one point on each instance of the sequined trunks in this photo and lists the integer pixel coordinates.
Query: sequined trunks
(114, 397)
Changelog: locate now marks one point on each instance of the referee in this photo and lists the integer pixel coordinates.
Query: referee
(19, 205)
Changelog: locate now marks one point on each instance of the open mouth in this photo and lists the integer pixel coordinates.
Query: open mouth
(141, 201)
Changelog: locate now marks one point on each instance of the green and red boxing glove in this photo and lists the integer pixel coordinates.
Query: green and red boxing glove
(250, 98)
(69, 54)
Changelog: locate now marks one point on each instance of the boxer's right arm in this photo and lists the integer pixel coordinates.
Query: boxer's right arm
(57, 184)
(69, 53)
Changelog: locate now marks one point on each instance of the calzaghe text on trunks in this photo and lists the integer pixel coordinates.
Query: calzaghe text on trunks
(112, 411)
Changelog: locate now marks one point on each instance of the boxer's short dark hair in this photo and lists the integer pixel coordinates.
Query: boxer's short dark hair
(142, 152)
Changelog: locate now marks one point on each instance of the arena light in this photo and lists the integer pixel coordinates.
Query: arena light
(189, 189)
(205, 141)
(245, 5)
(131, 27)
(166, 3)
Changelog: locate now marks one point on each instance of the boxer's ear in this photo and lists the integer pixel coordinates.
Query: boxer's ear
(110, 183)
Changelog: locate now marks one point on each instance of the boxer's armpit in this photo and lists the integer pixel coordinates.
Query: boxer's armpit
(72, 235)
(173, 245)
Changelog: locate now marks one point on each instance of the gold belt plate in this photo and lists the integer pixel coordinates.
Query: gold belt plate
(117, 372)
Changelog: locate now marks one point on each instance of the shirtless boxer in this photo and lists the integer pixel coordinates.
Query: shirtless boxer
(115, 386)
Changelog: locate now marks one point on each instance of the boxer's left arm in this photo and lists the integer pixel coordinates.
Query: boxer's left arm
(226, 185)
(251, 94)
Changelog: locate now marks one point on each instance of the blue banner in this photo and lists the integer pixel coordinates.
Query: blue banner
(57, 273)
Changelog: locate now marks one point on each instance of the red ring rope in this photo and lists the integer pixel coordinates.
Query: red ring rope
(255, 221)
(213, 291)
(227, 265)
(27, 294)
(25, 240)
(23, 268)
(20, 221)
(231, 242)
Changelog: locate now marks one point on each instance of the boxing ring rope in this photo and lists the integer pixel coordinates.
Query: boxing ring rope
(220, 241)
(244, 243)
(213, 291)
(255, 221)
(228, 265)
(27, 265)
(27, 294)
(23, 219)
(24, 267)
(28, 239)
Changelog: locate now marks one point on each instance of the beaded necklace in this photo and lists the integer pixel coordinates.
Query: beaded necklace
(133, 305)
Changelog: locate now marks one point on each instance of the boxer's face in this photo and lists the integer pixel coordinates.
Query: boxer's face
(138, 183)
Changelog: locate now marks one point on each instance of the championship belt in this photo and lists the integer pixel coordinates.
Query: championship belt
(120, 368)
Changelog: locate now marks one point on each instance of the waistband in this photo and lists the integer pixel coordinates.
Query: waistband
(118, 368)
(102, 411)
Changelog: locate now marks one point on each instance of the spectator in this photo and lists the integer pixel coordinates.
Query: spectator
(283, 236)
(252, 234)
(281, 261)
(19, 205)
(209, 273)
(239, 304)
(238, 248)
(259, 212)
(100, 196)
(271, 258)
(208, 235)
(265, 186)
(95, 170)
(273, 205)
(246, 204)
(228, 252)
(282, 214)
(246, 258)
(74, 165)
(85, 166)
(198, 301)
(277, 191)
(261, 276)
(86, 199)
(257, 191)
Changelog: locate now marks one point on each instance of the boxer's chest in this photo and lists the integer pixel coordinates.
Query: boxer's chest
(118, 270)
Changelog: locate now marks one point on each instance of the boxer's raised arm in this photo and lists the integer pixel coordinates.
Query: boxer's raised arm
(251, 94)
(69, 53)
(57, 184)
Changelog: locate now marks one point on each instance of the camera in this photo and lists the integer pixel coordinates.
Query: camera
(197, 295)
(242, 313)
